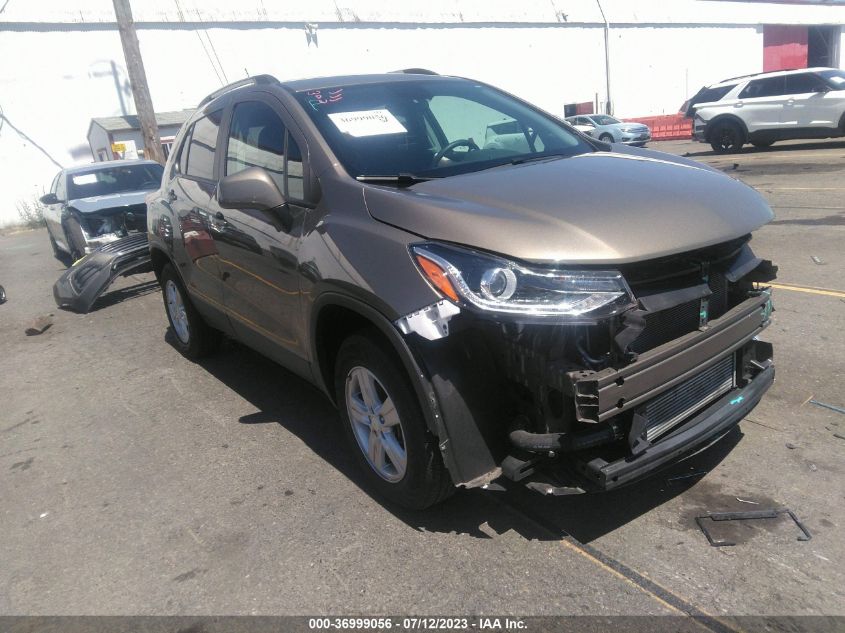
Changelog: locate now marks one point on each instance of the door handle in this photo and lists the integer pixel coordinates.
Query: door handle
(738, 104)
(171, 195)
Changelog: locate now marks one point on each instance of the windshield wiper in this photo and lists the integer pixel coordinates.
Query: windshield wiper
(399, 179)
(531, 159)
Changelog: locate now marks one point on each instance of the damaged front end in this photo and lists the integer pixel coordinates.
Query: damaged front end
(106, 225)
(83, 283)
(579, 402)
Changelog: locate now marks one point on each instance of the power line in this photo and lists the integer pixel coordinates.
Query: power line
(205, 50)
(214, 50)
(26, 137)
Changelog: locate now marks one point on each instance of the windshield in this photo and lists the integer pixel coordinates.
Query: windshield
(836, 78)
(432, 128)
(103, 182)
(603, 119)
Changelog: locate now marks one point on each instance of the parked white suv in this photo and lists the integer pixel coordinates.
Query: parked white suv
(767, 107)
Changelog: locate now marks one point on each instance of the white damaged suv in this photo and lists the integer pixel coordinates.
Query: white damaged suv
(767, 107)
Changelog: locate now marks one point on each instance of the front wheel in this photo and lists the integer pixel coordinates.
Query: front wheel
(194, 338)
(726, 137)
(75, 239)
(385, 427)
(607, 138)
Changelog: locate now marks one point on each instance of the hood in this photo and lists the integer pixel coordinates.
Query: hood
(112, 201)
(599, 208)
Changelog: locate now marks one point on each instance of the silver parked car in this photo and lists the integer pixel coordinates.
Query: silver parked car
(610, 130)
(92, 205)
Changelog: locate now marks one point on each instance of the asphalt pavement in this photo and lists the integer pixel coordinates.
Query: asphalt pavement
(136, 482)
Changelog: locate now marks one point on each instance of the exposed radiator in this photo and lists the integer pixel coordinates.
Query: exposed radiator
(672, 407)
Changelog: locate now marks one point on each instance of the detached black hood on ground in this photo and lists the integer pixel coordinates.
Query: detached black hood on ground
(598, 208)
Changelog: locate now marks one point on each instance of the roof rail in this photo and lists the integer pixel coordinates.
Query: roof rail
(249, 81)
(767, 72)
(415, 71)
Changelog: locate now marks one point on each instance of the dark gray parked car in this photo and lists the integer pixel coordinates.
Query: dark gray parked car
(483, 291)
(93, 205)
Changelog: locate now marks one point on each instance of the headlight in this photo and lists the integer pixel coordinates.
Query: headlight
(495, 284)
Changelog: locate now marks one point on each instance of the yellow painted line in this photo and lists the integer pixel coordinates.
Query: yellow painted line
(571, 546)
(809, 289)
(621, 576)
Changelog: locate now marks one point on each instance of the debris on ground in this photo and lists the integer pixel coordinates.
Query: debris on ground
(791, 446)
(746, 516)
(703, 472)
(813, 467)
(817, 260)
(841, 437)
(747, 501)
(2, 295)
(827, 406)
(39, 325)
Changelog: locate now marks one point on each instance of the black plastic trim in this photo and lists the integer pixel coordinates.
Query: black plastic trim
(603, 395)
(707, 426)
(81, 284)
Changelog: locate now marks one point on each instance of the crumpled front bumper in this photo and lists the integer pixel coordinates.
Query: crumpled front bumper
(81, 284)
(698, 432)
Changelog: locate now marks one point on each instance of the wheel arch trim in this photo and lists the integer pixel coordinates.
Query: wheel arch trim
(419, 381)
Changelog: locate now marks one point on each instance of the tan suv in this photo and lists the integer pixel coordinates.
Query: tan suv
(550, 309)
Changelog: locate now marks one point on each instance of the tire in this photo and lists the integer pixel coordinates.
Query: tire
(762, 144)
(75, 239)
(607, 138)
(194, 338)
(57, 252)
(364, 366)
(726, 137)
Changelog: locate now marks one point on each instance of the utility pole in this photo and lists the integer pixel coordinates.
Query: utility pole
(608, 106)
(138, 81)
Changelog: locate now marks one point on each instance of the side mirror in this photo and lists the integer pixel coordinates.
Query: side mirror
(252, 188)
(49, 198)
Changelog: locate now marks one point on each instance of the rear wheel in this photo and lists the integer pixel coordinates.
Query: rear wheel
(726, 137)
(607, 138)
(194, 338)
(385, 427)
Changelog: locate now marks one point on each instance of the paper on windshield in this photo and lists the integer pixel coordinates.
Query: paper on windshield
(367, 123)
(85, 179)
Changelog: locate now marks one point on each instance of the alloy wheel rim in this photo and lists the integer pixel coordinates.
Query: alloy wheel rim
(176, 310)
(376, 424)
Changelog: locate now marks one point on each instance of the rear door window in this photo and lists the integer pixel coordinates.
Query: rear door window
(202, 146)
(768, 87)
